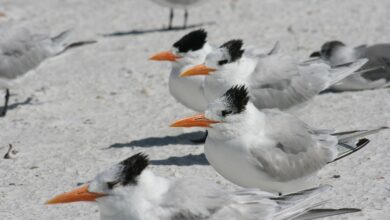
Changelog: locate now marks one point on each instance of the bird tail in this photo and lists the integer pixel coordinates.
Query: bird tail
(78, 44)
(340, 72)
(60, 38)
(347, 140)
(61, 45)
(300, 205)
(322, 213)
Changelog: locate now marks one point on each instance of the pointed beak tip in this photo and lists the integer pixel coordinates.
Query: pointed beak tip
(49, 202)
(194, 121)
(153, 58)
(184, 74)
(164, 56)
(197, 70)
(76, 195)
(176, 124)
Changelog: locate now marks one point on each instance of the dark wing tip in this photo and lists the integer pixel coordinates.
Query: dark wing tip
(362, 142)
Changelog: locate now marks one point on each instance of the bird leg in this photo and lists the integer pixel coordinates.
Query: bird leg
(4, 112)
(170, 19)
(185, 18)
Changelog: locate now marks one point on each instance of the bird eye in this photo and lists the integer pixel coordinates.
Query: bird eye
(222, 62)
(226, 112)
(111, 185)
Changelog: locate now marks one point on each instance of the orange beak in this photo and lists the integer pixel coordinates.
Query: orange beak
(194, 121)
(164, 56)
(197, 70)
(76, 195)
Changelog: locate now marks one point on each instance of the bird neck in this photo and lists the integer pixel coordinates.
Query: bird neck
(137, 202)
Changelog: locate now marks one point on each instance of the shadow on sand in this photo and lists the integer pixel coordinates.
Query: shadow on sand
(184, 139)
(156, 30)
(187, 160)
(17, 104)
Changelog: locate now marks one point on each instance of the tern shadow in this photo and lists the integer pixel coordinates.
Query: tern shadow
(155, 30)
(184, 139)
(187, 160)
(17, 104)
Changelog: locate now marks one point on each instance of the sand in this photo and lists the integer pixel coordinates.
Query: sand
(94, 106)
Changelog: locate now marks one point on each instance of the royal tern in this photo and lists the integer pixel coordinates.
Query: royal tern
(377, 69)
(190, 50)
(275, 80)
(268, 148)
(21, 50)
(177, 4)
(129, 191)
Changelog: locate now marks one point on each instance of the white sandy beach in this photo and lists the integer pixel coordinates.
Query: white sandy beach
(96, 105)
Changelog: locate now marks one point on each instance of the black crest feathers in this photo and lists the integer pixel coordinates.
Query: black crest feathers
(329, 47)
(237, 98)
(234, 48)
(132, 168)
(192, 41)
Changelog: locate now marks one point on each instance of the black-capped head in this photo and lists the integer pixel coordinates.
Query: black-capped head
(192, 41)
(234, 50)
(130, 169)
(328, 49)
(237, 98)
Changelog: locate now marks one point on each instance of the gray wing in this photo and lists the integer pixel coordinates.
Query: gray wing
(292, 149)
(190, 199)
(297, 204)
(269, 82)
(379, 56)
(296, 85)
(20, 51)
(301, 206)
(374, 74)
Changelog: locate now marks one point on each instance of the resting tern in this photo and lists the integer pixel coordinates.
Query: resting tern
(274, 80)
(190, 50)
(268, 148)
(377, 69)
(21, 50)
(178, 4)
(129, 191)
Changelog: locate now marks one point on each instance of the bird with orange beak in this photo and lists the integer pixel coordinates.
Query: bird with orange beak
(274, 80)
(129, 191)
(268, 149)
(187, 52)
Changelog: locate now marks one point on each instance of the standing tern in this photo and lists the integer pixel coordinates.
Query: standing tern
(177, 4)
(129, 191)
(377, 74)
(274, 80)
(268, 148)
(21, 50)
(189, 51)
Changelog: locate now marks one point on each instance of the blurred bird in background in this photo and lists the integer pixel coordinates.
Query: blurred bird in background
(375, 73)
(22, 50)
(177, 4)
